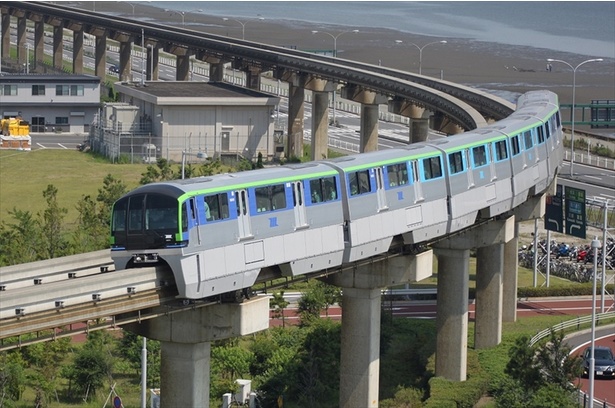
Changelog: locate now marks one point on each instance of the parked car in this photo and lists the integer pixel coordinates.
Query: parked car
(604, 362)
(114, 68)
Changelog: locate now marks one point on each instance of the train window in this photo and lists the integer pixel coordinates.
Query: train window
(323, 189)
(160, 212)
(514, 145)
(119, 216)
(455, 163)
(558, 121)
(527, 139)
(501, 150)
(398, 174)
(541, 134)
(184, 217)
(432, 168)
(135, 213)
(479, 156)
(216, 207)
(270, 198)
(359, 182)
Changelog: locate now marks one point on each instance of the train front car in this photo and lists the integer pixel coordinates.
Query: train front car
(217, 233)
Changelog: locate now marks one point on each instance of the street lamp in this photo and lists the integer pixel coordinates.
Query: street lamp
(574, 85)
(421, 51)
(183, 13)
(335, 37)
(592, 362)
(243, 25)
(131, 4)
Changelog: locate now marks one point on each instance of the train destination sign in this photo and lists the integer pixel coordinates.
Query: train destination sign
(576, 221)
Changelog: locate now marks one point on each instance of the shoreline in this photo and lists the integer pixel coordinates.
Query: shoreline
(492, 67)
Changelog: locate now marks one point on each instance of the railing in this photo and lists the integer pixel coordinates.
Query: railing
(576, 324)
(591, 160)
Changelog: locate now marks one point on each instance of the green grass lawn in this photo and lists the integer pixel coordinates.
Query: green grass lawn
(26, 174)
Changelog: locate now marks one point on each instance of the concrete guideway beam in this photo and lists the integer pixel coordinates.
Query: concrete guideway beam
(489, 233)
(186, 345)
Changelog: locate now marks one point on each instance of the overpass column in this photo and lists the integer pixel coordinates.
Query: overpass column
(444, 124)
(21, 41)
(152, 68)
(78, 51)
(6, 36)
(419, 126)
(58, 46)
(488, 326)
(369, 114)
(253, 78)
(452, 313)
(510, 278)
(186, 343)
(100, 68)
(216, 71)
(296, 106)
(125, 62)
(320, 125)
(320, 116)
(39, 44)
(360, 337)
(182, 71)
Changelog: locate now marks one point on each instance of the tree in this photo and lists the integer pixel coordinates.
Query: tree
(111, 191)
(12, 376)
(52, 225)
(310, 304)
(20, 242)
(278, 303)
(91, 234)
(522, 365)
(558, 366)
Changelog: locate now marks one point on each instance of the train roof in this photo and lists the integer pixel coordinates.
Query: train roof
(381, 157)
(239, 180)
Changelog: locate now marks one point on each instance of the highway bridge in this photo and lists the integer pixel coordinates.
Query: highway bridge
(57, 293)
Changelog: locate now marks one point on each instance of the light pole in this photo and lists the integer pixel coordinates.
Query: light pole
(335, 37)
(131, 4)
(421, 51)
(243, 25)
(574, 85)
(183, 13)
(592, 362)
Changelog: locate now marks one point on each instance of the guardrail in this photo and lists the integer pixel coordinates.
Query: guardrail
(591, 160)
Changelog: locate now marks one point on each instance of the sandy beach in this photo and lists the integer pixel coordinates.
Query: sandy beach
(494, 67)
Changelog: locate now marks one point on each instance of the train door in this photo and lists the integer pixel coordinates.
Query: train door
(243, 216)
(195, 218)
(380, 192)
(469, 171)
(491, 159)
(418, 188)
(299, 204)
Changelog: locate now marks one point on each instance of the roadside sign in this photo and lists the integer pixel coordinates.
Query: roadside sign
(576, 221)
(117, 402)
(554, 213)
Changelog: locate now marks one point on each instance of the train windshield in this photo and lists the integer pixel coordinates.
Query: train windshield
(149, 220)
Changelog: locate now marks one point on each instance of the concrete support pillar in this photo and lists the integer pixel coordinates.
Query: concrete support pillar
(125, 61)
(320, 125)
(419, 126)
(182, 71)
(360, 342)
(369, 128)
(360, 348)
(78, 51)
(296, 106)
(489, 266)
(21, 40)
(184, 374)
(253, 78)
(452, 313)
(100, 69)
(216, 71)
(152, 68)
(510, 278)
(58, 46)
(186, 344)
(6, 36)
(39, 45)
(419, 129)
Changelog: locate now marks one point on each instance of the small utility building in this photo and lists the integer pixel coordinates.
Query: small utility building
(199, 119)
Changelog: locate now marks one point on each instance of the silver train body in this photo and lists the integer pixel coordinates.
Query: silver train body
(217, 233)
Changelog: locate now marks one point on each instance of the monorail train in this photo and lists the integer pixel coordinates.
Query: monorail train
(217, 233)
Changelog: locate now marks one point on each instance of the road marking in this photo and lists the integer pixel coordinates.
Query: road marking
(62, 146)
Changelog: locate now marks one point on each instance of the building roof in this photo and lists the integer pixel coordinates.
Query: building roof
(194, 93)
(47, 78)
(196, 89)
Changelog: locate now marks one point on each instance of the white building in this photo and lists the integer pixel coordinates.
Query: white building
(51, 102)
(192, 118)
